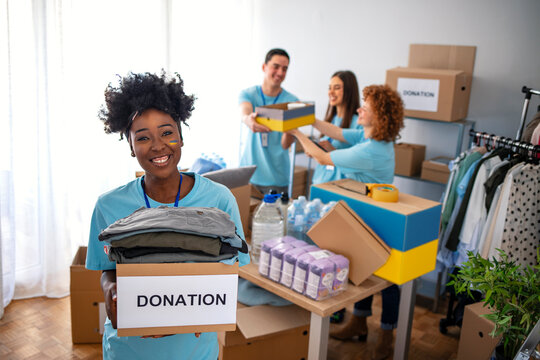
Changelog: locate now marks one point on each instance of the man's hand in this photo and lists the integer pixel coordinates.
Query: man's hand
(253, 125)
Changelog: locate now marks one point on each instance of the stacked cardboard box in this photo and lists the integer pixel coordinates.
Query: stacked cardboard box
(87, 301)
(437, 83)
(436, 169)
(267, 333)
(409, 158)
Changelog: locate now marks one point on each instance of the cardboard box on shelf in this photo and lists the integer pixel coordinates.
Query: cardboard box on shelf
(409, 158)
(436, 169)
(87, 301)
(279, 117)
(343, 232)
(437, 82)
(266, 333)
(159, 299)
(410, 227)
(436, 94)
(475, 341)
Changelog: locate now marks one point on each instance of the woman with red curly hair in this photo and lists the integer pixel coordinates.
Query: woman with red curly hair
(370, 159)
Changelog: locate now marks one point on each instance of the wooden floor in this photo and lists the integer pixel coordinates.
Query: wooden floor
(40, 328)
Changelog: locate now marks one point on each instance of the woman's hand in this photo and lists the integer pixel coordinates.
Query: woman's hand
(327, 145)
(108, 284)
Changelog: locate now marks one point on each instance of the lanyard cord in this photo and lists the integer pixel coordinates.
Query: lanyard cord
(177, 194)
(262, 96)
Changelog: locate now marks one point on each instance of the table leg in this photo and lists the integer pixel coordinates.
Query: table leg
(406, 312)
(318, 337)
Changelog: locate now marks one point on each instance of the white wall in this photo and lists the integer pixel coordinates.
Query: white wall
(369, 37)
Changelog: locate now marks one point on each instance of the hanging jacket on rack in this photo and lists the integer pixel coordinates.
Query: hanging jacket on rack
(521, 234)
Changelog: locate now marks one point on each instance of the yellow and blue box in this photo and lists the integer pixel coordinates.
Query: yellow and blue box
(410, 227)
(279, 117)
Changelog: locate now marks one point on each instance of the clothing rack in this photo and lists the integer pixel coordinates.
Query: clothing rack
(492, 141)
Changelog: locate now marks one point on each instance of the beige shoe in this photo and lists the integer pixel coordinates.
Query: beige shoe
(355, 327)
(384, 346)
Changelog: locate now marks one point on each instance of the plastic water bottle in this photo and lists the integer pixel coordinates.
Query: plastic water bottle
(267, 224)
(295, 220)
(317, 203)
(327, 208)
(284, 206)
(312, 216)
(221, 162)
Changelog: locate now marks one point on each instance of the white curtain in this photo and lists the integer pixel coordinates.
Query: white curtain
(56, 58)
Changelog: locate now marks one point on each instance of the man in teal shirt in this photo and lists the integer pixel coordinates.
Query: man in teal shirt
(265, 148)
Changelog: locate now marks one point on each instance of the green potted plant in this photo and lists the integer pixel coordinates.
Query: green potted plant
(511, 291)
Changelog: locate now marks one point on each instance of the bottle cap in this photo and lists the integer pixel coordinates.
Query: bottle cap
(271, 198)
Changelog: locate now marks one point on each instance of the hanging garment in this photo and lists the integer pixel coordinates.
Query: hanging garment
(521, 234)
(464, 166)
(494, 236)
(453, 238)
(476, 212)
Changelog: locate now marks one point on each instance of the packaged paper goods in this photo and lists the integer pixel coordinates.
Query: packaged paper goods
(318, 274)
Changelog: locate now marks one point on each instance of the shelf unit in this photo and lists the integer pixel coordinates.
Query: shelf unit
(453, 149)
(430, 284)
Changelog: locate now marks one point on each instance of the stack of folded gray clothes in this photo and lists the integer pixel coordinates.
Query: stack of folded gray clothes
(171, 235)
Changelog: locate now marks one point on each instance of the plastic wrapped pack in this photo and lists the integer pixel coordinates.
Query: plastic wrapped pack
(302, 266)
(264, 259)
(276, 260)
(342, 273)
(320, 279)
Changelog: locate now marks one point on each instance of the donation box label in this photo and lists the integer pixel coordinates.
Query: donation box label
(419, 94)
(157, 301)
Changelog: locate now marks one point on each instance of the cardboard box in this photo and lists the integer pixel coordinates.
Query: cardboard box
(437, 82)
(343, 232)
(431, 93)
(409, 158)
(267, 333)
(436, 169)
(86, 298)
(278, 117)
(475, 343)
(176, 298)
(410, 227)
(243, 196)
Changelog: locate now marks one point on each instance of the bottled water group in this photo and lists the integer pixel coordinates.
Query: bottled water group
(303, 214)
(274, 219)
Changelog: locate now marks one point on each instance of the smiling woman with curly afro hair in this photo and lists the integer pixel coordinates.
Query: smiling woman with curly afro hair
(148, 109)
(137, 93)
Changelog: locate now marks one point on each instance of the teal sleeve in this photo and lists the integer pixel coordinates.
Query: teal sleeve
(96, 259)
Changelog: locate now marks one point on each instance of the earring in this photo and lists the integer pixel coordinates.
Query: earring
(132, 153)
